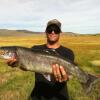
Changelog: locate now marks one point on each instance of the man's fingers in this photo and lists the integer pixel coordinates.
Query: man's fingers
(58, 72)
(11, 61)
(54, 70)
(63, 73)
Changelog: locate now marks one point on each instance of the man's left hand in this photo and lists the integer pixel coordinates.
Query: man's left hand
(59, 73)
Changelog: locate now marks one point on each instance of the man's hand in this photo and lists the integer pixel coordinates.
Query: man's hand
(59, 73)
(12, 61)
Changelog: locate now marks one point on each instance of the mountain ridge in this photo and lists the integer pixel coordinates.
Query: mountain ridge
(7, 32)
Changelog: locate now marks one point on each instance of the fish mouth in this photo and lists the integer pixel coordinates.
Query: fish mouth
(5, 54)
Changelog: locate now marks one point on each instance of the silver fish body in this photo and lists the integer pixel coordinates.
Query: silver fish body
(33, 60)
(42, 62)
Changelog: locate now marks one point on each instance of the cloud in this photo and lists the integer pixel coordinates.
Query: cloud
(81, 16)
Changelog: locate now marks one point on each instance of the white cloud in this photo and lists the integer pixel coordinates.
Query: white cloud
(81, 16)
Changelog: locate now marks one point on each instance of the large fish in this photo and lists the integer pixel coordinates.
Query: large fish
(42, 61)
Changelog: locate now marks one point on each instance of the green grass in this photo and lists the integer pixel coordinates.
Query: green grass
(16, 84)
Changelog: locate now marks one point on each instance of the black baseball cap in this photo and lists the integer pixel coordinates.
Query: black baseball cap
(54, 22)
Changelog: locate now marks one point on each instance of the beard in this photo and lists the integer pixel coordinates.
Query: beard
(51, 42)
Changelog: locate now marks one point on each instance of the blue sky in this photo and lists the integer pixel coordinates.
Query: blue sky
(80, 16)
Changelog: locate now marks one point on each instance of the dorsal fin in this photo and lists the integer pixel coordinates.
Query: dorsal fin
(52, 52)
(47, 51)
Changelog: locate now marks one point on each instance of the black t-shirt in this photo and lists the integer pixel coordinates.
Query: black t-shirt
(49, 90)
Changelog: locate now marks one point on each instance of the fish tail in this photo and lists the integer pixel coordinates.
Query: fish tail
(91, 83)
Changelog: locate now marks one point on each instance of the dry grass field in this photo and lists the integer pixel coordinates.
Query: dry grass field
(16, 84)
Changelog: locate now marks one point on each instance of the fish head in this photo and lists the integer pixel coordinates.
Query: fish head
(6, 52)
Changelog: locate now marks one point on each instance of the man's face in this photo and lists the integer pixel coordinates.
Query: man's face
(53, 34)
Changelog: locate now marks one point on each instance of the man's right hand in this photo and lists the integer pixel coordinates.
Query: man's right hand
(12, 61)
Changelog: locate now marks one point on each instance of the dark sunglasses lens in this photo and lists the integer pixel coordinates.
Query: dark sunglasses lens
(55, 29)
(49, 31)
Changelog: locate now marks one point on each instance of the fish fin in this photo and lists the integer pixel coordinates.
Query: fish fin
(47, 51)
(51, 52)
(9, 48)
(91, 83)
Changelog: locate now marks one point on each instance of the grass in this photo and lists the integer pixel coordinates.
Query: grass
(16, 84)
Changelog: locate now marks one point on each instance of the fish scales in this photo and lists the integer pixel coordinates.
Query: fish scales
(42, 61)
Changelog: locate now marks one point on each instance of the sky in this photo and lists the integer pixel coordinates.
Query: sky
(79, 16)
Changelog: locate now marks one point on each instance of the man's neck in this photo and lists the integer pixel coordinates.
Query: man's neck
(54, 46)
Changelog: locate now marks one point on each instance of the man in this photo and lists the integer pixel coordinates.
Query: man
(53, 87)
(45, 87)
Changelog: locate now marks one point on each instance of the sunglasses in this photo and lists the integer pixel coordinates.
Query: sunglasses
(54, 28)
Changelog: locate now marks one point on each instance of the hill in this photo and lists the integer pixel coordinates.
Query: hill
(6, 32)
(71, 33)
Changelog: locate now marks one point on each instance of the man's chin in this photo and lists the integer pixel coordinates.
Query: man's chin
(51, 42)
